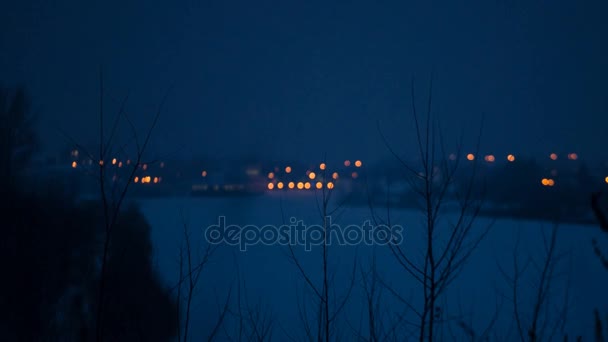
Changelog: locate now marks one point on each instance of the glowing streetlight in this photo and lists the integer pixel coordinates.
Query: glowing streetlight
(312, 175)
(270, 186)
(291, 185)
(280, 185)
(470, 156)
(330, 185)
(74, 164)
(271, 175)
(334, 175)
(288, 169)
(319, 185)
(358, 163)
(322, 166)
(553, 156)
(307, 185)
(511, 158)
(347, 163)
(300, 185)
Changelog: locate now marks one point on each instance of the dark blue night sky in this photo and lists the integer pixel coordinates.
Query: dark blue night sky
(297, 79)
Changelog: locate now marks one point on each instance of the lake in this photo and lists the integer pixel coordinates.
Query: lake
(481, 293)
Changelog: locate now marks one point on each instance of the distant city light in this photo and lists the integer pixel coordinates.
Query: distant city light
(511, 158)
(288, 169)
(307, 185)
(470, 156)
(312, 175)
(119, 164)
(319, 185)
(101, 163)
(347, 163)
(291, 185)
(547, 182)
(489, 158)
(145, 167)
(573, 156)
(270, 186)
(300, 185)
(334, 175)
(358, 163)
(204, 173)
(136, 179)
(553, 156)
(606, 180)
(114, 161)
(354, 175)
(271, 175)
(74, 164)
(128, 161)
(330, 185)
(280, 185)
(322, 166)
(155, 180)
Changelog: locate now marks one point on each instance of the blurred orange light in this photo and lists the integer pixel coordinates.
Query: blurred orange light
(553, 156)
(322, 166)
(489, 158)
(573, 156)
(545, 181)
(101, 163)
(300, 185)
(114, 161)
(358, 163)
(334, 175)
(271, 175)
(280, 185)
(606, 180)
(270, 186)
(204, 173)
(74, 164)
(312, 175)
(291, 185)
(307, 185)
(511, 158)
(347, 163)
(288, 169)
(330, 185)
(470, 156)
(145, 167)
(119, 164)
(319, 185)
(354, 175)
(550, 182)
(136, 179)
(155, 180)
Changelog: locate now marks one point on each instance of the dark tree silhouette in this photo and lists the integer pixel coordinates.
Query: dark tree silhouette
(18, 140)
